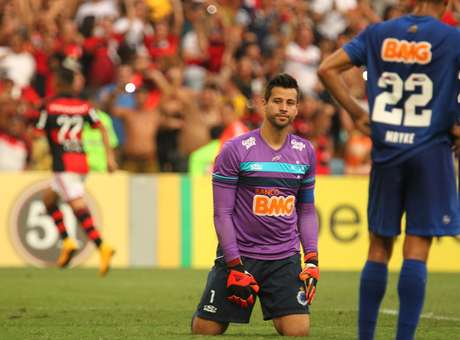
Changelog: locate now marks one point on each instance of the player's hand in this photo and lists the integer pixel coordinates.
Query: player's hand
(363, 125)
(241, 287)
(455, 133)
(310, 275)
(112, 164)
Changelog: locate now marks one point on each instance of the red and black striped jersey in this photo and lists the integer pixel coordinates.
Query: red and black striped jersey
(62, 119)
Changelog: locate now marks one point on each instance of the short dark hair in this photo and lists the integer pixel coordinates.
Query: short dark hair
(65, 76)
(283, 80)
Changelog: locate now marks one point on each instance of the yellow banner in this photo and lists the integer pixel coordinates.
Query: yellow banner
(343, 241)
(168, 228)
(341, 203)
(204, 238)
(29, 236)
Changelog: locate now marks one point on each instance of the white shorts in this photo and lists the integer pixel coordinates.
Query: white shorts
(68, 185)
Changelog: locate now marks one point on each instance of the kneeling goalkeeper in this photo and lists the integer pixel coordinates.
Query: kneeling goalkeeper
(263, 189)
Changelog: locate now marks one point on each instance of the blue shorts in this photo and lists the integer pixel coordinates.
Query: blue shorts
(424, 187)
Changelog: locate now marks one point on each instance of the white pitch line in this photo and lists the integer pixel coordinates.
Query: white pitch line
(389, 311)
(394, 312)
(429, 315)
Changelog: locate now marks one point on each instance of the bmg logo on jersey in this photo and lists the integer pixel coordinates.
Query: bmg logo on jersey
(403, 51)
(34, 235)
(263, 205)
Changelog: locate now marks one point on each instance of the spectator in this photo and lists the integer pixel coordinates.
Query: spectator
(203, 114)
(14, 147)
(119, 94)
(172, 108)
(98, 8)
(302, 58)
(139, 152)
(195, 46)
(16, 62)
(322, 141)
(201, 160)
(176, 49)
(135, 24)
(358, 154)
(164, 41)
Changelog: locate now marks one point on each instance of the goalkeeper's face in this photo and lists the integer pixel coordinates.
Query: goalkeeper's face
(281, 107)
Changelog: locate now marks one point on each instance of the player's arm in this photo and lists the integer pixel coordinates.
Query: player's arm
(455, 134)
(40, 124)
(224, 185)
(308, 229)
(241, 285)
(354, 53)
(122, 112)
(330, 72)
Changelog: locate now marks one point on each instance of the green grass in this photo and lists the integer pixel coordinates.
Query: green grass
(158, 304)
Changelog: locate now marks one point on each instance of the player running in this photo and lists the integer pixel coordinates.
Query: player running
(263, 187)
(62, 120)
(413, 87)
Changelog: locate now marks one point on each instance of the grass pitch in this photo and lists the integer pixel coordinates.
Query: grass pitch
(158, 304)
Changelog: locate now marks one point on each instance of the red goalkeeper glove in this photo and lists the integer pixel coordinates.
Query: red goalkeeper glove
(241, 286)
(310, 275)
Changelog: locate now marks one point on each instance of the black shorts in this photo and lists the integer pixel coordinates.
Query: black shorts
(281, 291)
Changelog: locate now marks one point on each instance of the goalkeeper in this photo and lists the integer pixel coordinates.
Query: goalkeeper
(263, 190)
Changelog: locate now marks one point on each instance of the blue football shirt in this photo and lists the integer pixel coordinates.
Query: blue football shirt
(413, 83)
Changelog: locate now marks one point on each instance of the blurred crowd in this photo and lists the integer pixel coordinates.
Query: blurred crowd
(175, 79)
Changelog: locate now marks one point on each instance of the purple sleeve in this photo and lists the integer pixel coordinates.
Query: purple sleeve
(306, 213)
(224, 184)
(308, 227)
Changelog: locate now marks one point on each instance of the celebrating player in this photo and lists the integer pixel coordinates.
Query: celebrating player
(413, 87)
(263, 188)
(62, 120)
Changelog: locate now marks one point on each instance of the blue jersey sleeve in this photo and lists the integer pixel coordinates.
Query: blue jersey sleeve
(356, 48)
